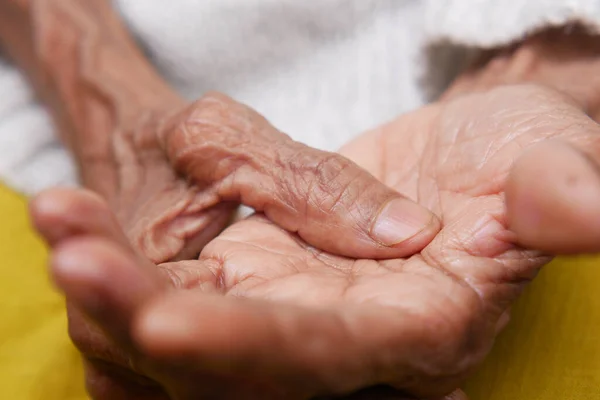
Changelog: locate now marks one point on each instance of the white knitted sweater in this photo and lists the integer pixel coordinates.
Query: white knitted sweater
(320, 70)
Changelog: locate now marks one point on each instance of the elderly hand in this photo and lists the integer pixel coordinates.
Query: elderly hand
(262, 314)
(173, 173)
(179, 177)
(229, 153)
(552, 192)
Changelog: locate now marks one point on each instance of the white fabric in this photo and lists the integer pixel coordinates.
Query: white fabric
(320, 70)
(489, 23)
(31, 159)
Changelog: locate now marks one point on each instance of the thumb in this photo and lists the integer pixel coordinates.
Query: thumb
(553, 199)
(326, 199)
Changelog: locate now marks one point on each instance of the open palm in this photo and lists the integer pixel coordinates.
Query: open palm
(264, 315)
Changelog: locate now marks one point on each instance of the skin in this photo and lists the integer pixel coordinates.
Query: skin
(552, 190)
(174, 172)
(263, 314)
(272, 302)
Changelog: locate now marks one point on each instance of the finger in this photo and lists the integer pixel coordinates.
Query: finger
(553, 200)
(66, 218)
(319, 349)
(58, 214)
(91, 260)
(328, 200)
(235, 337)
(104, 281)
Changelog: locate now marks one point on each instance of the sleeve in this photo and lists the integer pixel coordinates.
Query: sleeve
(457, 30)
(31, 156)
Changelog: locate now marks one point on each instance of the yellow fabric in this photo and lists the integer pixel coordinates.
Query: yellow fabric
(550, 351)
(551, 348)
(37, 361)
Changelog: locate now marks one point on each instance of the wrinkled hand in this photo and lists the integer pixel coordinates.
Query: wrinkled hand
(230, 154)
(178, 179)
(263, 314)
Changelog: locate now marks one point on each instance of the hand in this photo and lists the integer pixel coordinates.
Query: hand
(552, 192)
(180, 176)
(229, 153)
(127, 131)
(173, 173)
(262, 313)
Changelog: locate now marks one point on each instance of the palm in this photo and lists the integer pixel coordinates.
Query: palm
(455, 165)
(452, 158)
(312, 322)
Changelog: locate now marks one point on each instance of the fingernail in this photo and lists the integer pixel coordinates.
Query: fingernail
(399, 220)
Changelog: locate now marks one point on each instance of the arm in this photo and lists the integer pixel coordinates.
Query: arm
(129, 132)
(90, 73)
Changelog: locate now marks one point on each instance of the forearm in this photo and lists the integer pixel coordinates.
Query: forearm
(87, 69)
(566, 59)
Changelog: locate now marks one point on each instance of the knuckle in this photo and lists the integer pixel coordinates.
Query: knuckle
(201, 121)
(315, 178)
(212, 106)
(215, 136)
(202, 147)
(335, 184)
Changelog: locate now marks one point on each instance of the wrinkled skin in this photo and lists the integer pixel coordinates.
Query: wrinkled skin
(175, 179)
(262, 314)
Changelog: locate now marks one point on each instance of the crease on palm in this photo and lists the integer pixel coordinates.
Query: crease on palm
(438, 309)
(463, 282)
(294, 251)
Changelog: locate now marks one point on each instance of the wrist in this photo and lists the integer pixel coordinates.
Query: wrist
(111, 117)
(88, 70)
(566, 60)
(116, 150)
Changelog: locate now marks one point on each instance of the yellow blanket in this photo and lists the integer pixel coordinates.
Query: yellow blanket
(37, 361)
(550, 351)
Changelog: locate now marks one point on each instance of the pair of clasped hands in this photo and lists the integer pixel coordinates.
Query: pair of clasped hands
(383, 271)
